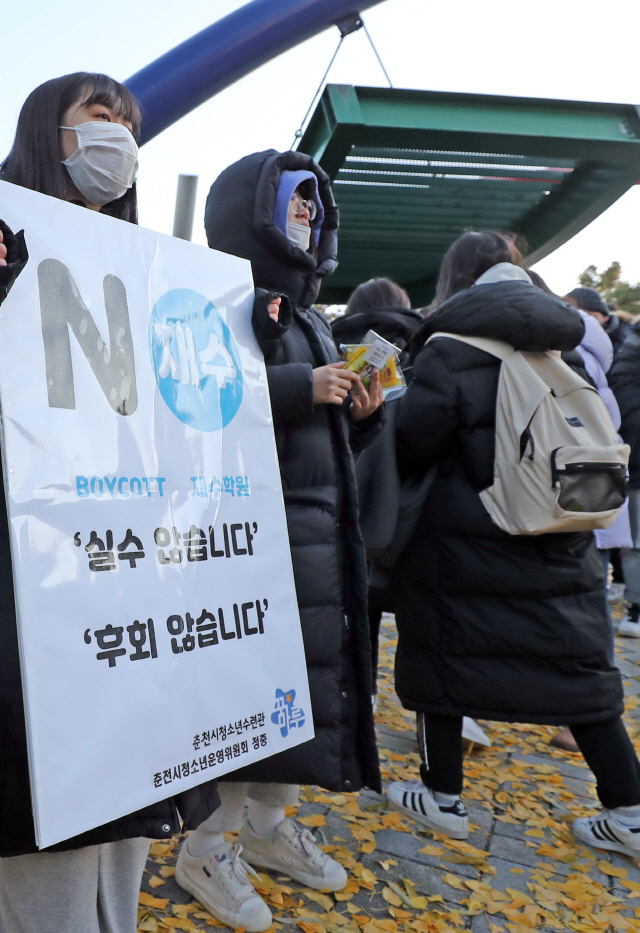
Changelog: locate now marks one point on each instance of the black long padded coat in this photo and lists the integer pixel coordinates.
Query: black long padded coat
(315, 454)
(624, 379)
(17, 835)
(492, 625)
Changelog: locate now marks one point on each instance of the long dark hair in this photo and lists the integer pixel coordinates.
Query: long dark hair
(466, 260)
(469, 257)
(35, 160)
(377, 293)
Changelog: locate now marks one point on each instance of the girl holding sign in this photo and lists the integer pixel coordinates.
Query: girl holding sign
(277, 210)
(75, 140)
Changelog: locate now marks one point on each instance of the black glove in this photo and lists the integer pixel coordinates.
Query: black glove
(268, 332)
(17, 258)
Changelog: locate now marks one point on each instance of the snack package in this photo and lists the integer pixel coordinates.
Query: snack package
(374, 353)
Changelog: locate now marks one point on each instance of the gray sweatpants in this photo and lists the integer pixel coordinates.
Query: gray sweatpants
(89, 890)
(233, 796)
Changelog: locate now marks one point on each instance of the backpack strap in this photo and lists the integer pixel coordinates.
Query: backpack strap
(497, 348)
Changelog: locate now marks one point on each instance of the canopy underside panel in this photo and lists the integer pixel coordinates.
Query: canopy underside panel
(412, 170)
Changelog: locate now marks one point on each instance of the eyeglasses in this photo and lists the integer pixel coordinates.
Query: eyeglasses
(297, 203)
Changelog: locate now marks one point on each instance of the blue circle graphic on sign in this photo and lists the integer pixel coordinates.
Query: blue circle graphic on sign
(196, 360)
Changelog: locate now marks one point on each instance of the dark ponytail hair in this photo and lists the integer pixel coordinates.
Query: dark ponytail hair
(469, 257)
(35, 160)
(465, 261)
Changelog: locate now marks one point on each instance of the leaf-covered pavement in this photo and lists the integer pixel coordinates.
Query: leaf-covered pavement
(520, 869)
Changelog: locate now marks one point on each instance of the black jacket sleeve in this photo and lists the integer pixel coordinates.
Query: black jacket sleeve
(428, 419)
(17, 258)
(363, 433)
(624, 379)
(290, 384)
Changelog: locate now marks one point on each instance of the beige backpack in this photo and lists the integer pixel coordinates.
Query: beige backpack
(559, 465)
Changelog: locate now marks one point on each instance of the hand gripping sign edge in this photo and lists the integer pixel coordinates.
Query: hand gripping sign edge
(195, 360)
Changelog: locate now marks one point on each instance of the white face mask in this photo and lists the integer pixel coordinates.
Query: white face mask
(105, 164)
(299, 234)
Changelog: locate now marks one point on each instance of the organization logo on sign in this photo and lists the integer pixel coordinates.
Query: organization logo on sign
(286, 715)
(196, 360)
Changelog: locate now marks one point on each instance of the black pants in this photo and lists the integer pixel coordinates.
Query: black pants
(379, 601)
(605, 746)
(616, 563)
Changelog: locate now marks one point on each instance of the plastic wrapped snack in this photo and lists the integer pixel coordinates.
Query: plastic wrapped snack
(374, 353)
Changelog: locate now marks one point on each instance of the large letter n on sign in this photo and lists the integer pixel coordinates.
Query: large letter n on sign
(61, 308)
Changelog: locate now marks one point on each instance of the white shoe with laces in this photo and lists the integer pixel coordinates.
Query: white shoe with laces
(605, 831)
(416, 800)
(630, 624)
(615, 592)
(292, 851)
(219, 881)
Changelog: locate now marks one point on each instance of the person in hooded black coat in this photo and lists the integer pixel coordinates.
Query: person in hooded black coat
(249, 214)
(383, 306)
(616, 329)
(491, 625)
(624, 379)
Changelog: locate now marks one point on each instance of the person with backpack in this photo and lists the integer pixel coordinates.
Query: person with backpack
(75, 140)
(277, 210)
(496, 619)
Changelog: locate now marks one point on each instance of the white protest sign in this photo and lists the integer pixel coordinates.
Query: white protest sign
(158, 626)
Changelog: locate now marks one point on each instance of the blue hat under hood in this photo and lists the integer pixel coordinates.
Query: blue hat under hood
(289, 181)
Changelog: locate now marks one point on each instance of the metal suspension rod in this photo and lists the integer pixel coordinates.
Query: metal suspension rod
(377, 54)
(298, 132)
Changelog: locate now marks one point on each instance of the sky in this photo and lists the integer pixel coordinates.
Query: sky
(561, 49)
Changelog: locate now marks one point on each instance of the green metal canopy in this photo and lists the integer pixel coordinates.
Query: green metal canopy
(412, 170)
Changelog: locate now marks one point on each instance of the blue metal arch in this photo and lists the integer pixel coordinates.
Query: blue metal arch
(192, 72)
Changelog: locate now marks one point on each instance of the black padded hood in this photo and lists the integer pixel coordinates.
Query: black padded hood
(238, 219)
(516, 312)
(395, 324)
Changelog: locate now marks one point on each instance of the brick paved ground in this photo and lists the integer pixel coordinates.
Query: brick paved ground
(520, 869)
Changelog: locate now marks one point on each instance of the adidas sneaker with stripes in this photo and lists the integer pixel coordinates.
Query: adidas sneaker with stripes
(604, 831)
(414, 799)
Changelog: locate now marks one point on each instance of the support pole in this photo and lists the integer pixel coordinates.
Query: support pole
(185, 206)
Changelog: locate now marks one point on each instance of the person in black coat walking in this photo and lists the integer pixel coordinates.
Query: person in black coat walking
(383, 306)
(380, 305)
(604, 312)
(491, 625)
(277, 210)
(616, 329)
(624, 379)
(73, 886)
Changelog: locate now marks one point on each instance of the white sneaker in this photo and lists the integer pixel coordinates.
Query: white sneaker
(417, 801)
(615, 592)
(630, 625)
(219, 881)
(293, 852)
(604, 831)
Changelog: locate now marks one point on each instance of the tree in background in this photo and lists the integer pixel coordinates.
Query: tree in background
(612, 288)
